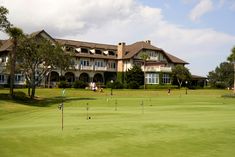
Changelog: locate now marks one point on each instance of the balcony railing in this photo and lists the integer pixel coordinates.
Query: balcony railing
(100, 68)
(156, 69)
(82, 67)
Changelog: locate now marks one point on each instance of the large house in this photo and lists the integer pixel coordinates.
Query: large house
(95, 62)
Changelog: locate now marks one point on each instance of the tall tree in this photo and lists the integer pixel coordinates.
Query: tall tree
(144, 57)
(181, 73)
(231, 58)
(4, 23)
(15, 34)
(37, 56)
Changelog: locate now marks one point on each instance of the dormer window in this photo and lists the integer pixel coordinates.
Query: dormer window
(84, 50)
(112, 53)
(99, 52)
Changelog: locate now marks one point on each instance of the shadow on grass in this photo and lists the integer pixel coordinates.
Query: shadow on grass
(22, 98)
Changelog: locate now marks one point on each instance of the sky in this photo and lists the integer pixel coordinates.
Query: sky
(200, 32)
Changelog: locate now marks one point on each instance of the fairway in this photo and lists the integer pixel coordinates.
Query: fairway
(131, 123)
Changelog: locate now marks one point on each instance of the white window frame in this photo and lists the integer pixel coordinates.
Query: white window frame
(152, 78)
(166, 78)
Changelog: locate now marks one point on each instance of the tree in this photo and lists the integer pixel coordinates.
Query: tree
(231, 58)
(144, 57)
(135, 75)
(15, 34)
(37, 56)
(4, 23)
(222, 76)
(181, 73)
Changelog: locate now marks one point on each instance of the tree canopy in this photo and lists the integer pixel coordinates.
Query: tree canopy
(181, 73)
(135, 74)
(222, 76)
(4, 23)
(231, 57)
(37, 57)
(144, 57)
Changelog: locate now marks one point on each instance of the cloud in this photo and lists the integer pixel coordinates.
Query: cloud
(106, 21)
(203, 7)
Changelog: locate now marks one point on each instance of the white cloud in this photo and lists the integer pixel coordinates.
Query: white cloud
(203, 7)
(111, 22)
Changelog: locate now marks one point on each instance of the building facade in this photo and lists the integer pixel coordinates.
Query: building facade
(95, 62)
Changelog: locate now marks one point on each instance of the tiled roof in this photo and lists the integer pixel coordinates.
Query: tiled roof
(133, 49)
(175, 59)
(6, 45)
(86, 44)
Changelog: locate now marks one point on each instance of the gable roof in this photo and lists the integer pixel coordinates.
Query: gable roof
(135, 48)
(6, 45)
(34, 34)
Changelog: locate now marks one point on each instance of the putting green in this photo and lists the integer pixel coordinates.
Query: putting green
(130, 123)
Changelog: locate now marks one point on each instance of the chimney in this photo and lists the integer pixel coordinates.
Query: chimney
(121, 49)
(148, 42)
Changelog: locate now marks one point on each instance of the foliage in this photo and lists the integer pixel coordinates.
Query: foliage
(181, 74)
(15, 34)
(166, 86)
(37, 56)
(63, 84)
(231, 57)
(4, 23)
(79, 84)
(144, 57)
(115, 85)
(222, 76)
(135, 74)
(133, 85)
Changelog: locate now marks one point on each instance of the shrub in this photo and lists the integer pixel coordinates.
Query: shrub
(220, 85)
(63, 84)
(79, 84)
(115, 85)
(133, 85)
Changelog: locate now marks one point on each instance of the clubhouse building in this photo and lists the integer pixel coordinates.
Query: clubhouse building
(95, 62)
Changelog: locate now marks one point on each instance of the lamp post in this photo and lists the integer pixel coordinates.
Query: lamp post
(186, 91)
(111, 87)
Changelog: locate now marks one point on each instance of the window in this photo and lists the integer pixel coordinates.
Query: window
(3, 59)
(152, 78)
(166, 79)
(18, 78)
(85, 62)
(112, 65)
(2, 78)
(99, 63)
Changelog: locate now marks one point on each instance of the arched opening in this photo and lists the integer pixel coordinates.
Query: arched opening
(98, 78)
(69, 77)
(52, 78)
(84, 77)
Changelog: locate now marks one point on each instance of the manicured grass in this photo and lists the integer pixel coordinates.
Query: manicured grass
(200, 124)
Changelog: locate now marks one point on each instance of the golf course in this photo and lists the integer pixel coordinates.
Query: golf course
(129, 123)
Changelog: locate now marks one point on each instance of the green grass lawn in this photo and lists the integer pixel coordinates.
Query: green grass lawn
(200, 124)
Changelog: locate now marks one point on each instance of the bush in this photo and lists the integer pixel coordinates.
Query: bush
(157, 86)
(133, 85)
(80, 84)
(220, 85)
(115, 85)
(63, 84)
